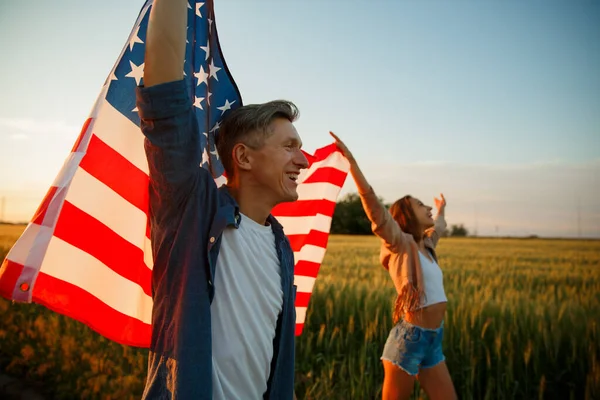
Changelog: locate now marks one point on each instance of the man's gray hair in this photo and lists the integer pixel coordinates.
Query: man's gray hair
(250, 125)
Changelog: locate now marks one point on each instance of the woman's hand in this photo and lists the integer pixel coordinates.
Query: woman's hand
(440, 203)
(343, 148)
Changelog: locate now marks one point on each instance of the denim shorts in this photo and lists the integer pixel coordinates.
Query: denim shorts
(411, 347)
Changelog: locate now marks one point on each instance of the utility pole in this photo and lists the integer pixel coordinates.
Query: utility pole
(476, 222)
(579, 217)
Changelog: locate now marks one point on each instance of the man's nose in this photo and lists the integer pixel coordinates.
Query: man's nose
(301, 160)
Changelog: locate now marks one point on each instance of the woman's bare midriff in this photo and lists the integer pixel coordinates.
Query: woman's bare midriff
(429, 317)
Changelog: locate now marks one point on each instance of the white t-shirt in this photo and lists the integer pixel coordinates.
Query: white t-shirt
(248, 300)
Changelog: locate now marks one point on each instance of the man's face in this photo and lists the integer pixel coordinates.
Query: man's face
(276, 165)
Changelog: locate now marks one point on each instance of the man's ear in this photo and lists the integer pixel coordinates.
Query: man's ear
(242, 157)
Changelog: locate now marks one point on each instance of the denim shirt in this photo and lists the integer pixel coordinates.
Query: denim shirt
(188, 215)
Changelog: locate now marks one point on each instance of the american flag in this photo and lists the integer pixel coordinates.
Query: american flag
(86, 252)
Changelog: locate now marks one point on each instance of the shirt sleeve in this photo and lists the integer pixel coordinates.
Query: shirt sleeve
(438, 230)
(383, 224)
(172, 140)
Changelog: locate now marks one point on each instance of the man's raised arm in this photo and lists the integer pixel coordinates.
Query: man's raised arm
(165, 42)
(167, 119)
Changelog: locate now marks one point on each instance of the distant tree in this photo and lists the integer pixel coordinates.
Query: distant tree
(458, 231)
(349, 217)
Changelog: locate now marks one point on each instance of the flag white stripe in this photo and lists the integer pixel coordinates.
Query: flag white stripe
(304, 283)
(303, 225)
(318, 191)
(334, 160)
(310, 253)
(25, 247)
(112, 211)
(300, 314)
(68, 170)
(122, 135)
(148, 258)
(94, 277)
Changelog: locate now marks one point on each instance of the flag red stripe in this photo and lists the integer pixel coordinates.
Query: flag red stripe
(329, 175)
(299, 328)
(116, 172)
(38, 217)
(84, 129)
(304, 208)
(320, 154)
(316, 238)
(306, 268)
(9, 274)
(104, 244)
(325, 152)
(71, 300)
(302, 299)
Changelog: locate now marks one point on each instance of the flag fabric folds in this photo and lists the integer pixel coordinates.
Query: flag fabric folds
(86, 252)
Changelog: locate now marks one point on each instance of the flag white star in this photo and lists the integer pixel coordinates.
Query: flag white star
(221, 180)
(213, 69)
(205, 157)
(135, 109)
(135, 39)
(113, 77)
(226, 106)
(198, 102)
(215, 153)
(209, 24)
(201, 76)
(208, 98)
(198, 5)
(190, 7)
(206, 49)
(217, 126)
(137, 72)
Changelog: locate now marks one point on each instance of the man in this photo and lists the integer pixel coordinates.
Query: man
(223, 318)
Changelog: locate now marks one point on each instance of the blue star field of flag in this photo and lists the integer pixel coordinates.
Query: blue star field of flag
(211, 87)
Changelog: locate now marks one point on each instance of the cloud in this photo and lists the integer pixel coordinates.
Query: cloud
(16, 128)
(549, 199)
(18, 136)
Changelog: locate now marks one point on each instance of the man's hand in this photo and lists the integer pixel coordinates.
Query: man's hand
(343, 148)
(165, 42)
(440, 204)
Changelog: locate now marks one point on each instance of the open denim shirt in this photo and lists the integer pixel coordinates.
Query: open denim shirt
(188, 215)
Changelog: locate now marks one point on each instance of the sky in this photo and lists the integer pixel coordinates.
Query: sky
(494, 103)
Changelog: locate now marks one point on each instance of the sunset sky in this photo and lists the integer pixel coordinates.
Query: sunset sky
(495, 104)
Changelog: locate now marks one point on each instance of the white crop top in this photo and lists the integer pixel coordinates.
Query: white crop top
(434, 282)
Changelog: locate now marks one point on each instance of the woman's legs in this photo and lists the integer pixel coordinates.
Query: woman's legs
(437, 383)
(397, 384)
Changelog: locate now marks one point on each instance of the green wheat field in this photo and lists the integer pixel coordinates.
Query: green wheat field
(523, 323)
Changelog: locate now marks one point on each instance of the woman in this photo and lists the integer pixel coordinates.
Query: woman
(409, 236)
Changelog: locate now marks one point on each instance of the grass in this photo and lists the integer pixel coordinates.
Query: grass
(522, 323)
